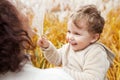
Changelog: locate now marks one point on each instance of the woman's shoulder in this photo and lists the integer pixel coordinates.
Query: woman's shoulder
(28, 72)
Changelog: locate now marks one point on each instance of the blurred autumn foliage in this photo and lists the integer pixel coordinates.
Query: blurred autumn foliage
(111, 38)
(55, 31)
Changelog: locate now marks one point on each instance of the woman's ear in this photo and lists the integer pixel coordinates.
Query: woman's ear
(95, 37)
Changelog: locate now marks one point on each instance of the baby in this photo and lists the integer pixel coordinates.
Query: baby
(83, 58)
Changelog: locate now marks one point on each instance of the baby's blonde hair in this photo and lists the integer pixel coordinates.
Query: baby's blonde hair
(91, 15)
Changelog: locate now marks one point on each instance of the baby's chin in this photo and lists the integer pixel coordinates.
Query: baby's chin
(74, 47)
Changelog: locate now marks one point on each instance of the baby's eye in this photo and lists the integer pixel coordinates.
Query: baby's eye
(77, 34)
(68, 31)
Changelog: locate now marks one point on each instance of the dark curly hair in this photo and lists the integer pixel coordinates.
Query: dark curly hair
(14, 41)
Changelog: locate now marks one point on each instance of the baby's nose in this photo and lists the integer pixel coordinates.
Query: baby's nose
(71, 37)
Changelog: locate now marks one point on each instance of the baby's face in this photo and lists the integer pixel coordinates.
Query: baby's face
(78, 37)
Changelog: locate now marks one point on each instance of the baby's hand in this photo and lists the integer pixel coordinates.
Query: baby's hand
(43, 42)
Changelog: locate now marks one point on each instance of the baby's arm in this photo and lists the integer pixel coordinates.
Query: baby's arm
(50, 51)
(94, 68)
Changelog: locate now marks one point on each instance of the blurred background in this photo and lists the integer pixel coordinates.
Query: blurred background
(50, 17)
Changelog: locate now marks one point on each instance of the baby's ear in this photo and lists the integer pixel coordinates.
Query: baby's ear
(95, 37)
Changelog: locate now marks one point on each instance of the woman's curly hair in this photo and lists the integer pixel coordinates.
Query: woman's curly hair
(14, 41)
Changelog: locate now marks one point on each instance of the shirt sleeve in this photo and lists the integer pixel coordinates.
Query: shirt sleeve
(53, 55)
(95, 66)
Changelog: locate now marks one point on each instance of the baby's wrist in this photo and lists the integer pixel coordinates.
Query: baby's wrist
(46, 46)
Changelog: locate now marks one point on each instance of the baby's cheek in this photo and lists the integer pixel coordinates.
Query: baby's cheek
(67, 38)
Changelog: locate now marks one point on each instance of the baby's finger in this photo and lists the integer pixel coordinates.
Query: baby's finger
(40, 42)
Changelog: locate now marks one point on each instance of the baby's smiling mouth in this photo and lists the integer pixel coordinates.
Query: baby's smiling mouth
(72, 43)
